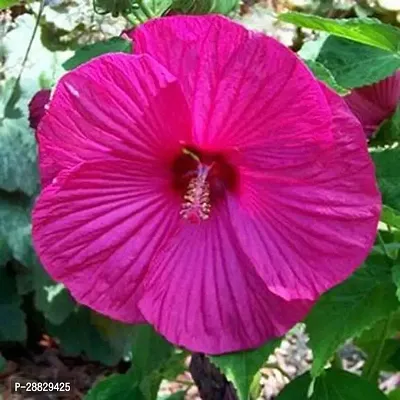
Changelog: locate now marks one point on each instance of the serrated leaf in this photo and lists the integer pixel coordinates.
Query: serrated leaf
(88, 52)
(387, 162)
(368, 31)
(204, 6)
(389, 131)
(12, 318)
(311, 48)
(351, 307)
(17, 157)
(354, 64)
(323, 74)
(335, 384)
(241, 367)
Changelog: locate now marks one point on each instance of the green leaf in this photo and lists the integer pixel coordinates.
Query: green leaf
(12, 318)
(86, 53)
(394, 395)
(390, 217)
(54, 301)
(8, 3)
(205, 6)
(151, 355)
(78, 335)
(396, 278)
(353, 64)
(311, 48)
(351, 307)
(324, 75)
(389, 131)
(241, 367)
(175, 396)
(117, 334)
(17, 156)
(15, 227)
(150, 352)
(368, 31)
(387, 162)
(121, 387)
(335, 384)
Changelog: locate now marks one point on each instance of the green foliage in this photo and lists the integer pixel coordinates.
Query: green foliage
(353, 64)
(152, 357)
(396, 278)
(241, 367)
(389, 130)
(115, 7)
(176, 396)
(394, 395)
(363, 30)
(8, 3)
(12, 318)
(390, 217)
(78, 335)
(387, 162)
(86, 53)
(205, 6)
(324, 75)
(332, 385)
(351, 307)
(17, 157)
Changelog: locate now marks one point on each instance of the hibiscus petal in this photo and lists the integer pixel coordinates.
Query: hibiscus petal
(202, 292)
(307, 229)
(97, 227)
(245, 89)
(116, 106)
(373, 104)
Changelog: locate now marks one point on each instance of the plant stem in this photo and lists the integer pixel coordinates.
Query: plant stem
(372, 367)
(28, 50)
(212, 384)
(382, 243)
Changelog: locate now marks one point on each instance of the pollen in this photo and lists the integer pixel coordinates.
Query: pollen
(196, 206)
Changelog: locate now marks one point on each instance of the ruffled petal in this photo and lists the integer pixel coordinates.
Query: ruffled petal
(202, 292)
(244, 88)
(373, 104)
(308, 228)
(116, 106)
(98, 225)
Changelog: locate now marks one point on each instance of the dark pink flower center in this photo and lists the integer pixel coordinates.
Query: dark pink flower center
(202, 179)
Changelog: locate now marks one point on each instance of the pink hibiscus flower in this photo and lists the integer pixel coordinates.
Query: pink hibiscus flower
(207, 185)
(375, 103)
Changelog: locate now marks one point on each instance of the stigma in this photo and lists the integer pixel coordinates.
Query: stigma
(196, 206)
